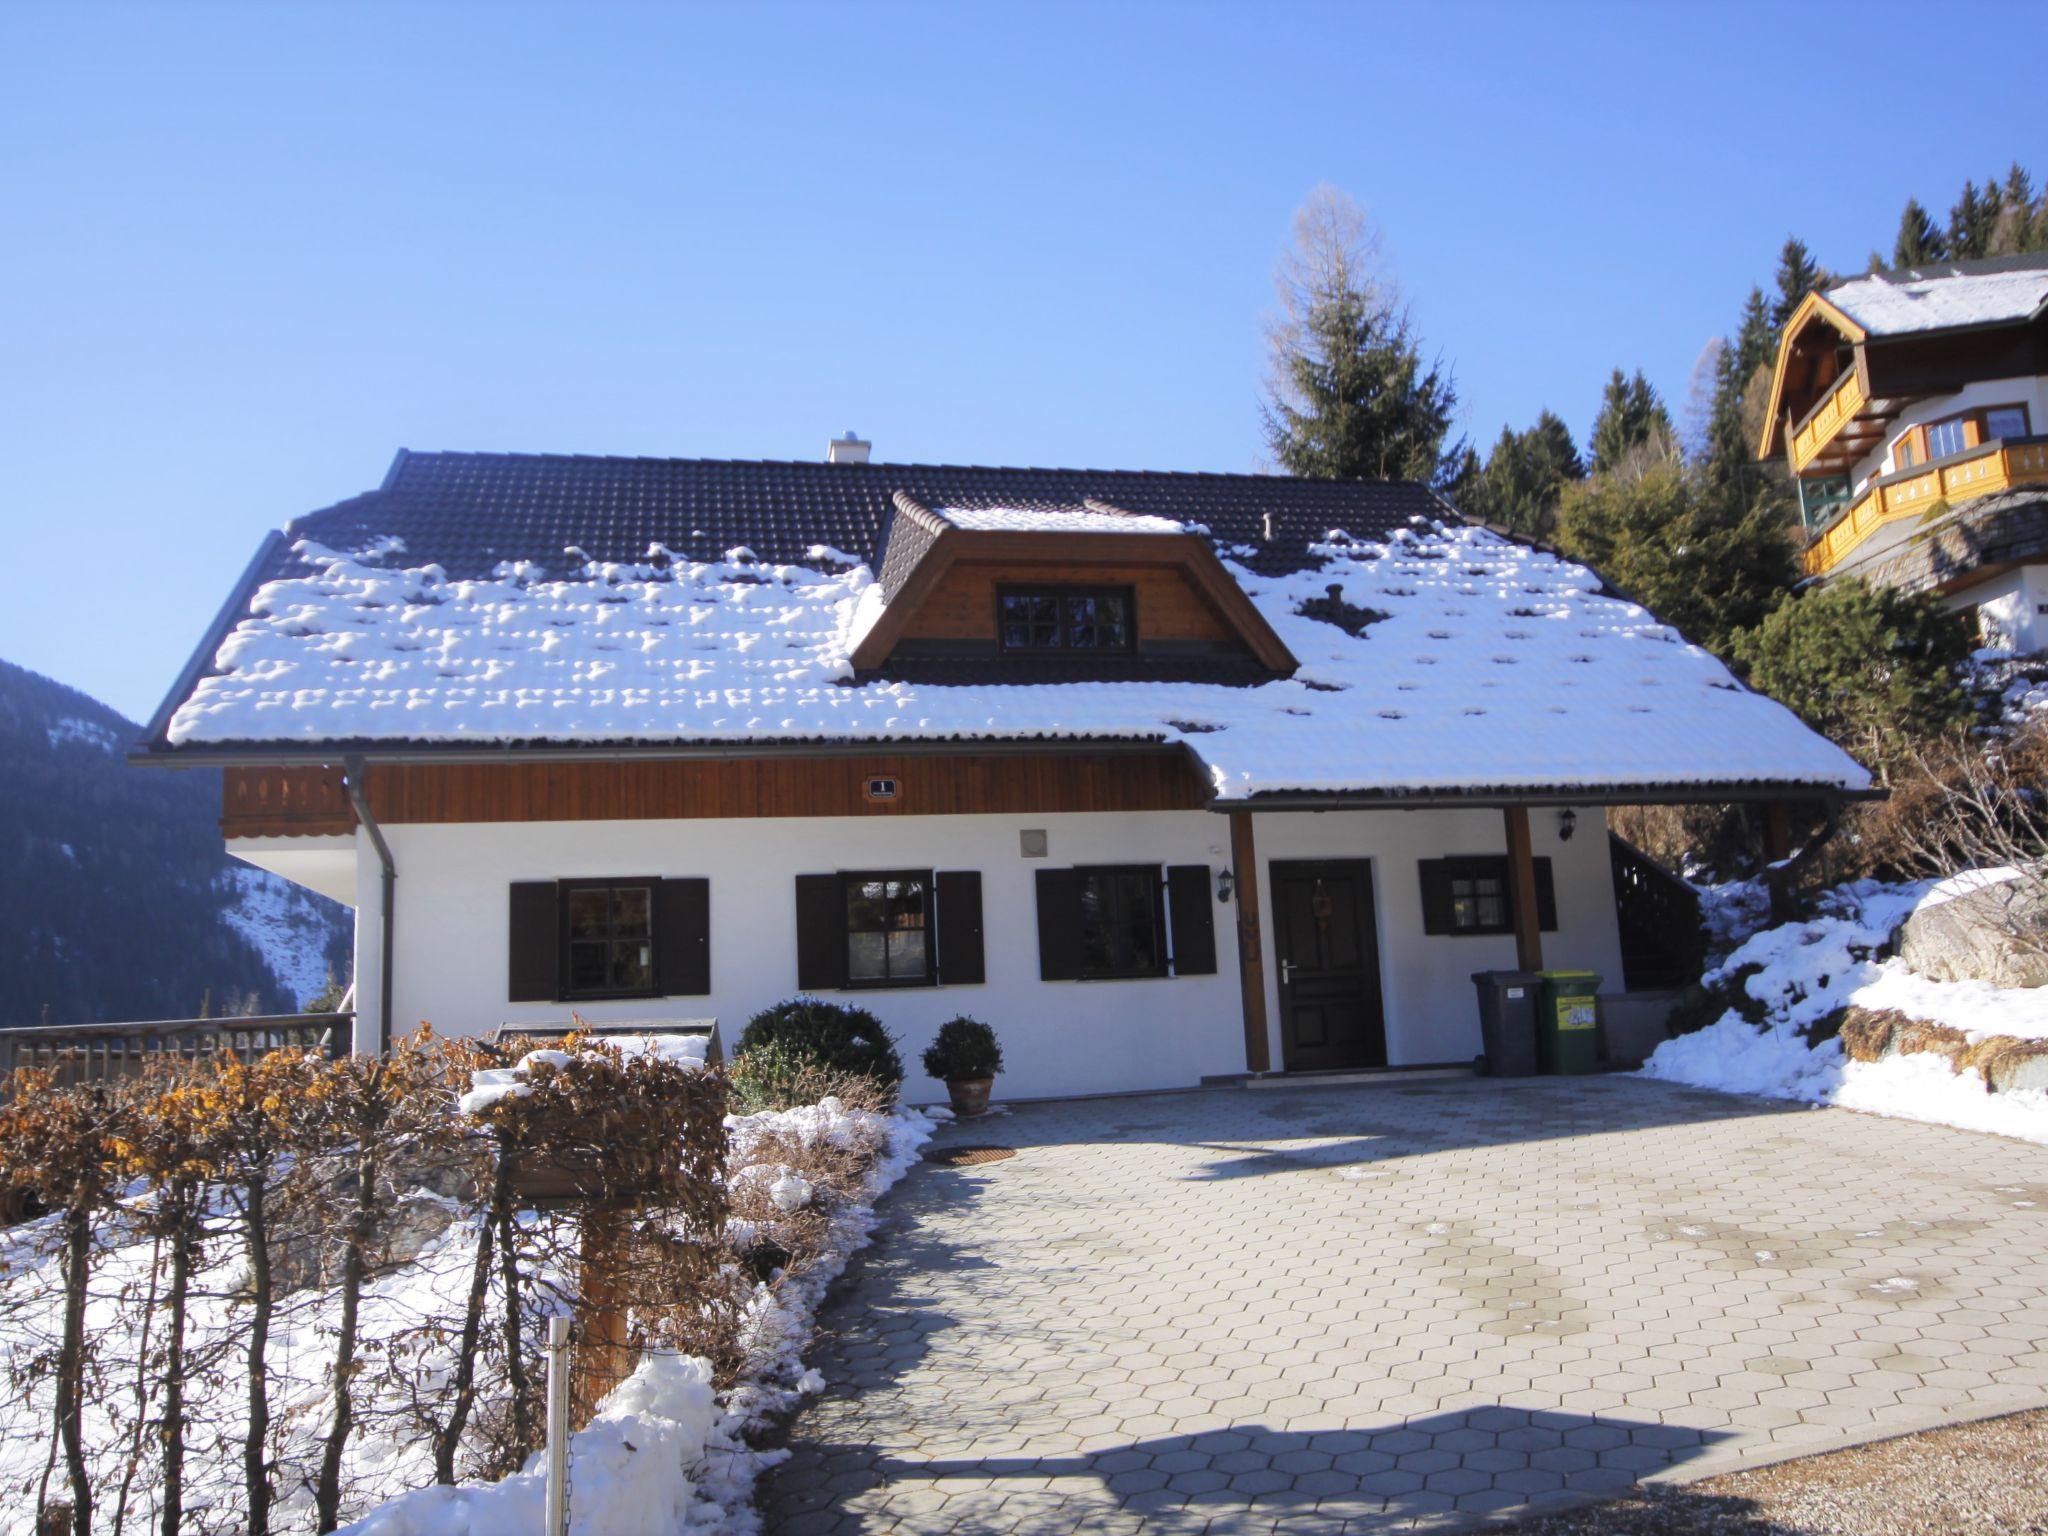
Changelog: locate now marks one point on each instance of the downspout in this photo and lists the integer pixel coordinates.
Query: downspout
(352, 780)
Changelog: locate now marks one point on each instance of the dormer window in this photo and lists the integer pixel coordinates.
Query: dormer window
(1091, 620)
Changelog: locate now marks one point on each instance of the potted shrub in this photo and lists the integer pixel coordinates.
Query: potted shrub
(966, 1058)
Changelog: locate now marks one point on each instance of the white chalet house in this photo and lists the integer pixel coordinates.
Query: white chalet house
(1166, 776)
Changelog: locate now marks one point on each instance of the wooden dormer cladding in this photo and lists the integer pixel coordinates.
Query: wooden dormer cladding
(1819, 366)
(1182, 593)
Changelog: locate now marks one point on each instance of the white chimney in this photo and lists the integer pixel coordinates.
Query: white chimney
(850, 449)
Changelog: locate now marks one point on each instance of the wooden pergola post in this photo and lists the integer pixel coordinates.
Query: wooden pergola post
(1251, 950)
(1778, 848)
(1522, 876)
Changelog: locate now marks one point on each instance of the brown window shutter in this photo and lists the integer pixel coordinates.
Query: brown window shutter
(1059, 924)
(1546, 897)
(682, 938)
(1436, 896)
(536, 944)
(820, 933)
(1193, 919)
(960, 953)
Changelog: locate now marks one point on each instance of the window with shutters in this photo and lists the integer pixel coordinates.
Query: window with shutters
(888, 928)
(1474, 896)
(1122, 921)
(607, 940)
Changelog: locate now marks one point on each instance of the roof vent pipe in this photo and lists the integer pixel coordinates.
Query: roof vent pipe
(850, 449)
(1266, 527)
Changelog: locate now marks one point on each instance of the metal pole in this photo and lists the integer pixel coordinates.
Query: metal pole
(560, 1333)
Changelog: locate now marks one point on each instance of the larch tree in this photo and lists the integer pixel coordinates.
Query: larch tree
(1348, 395)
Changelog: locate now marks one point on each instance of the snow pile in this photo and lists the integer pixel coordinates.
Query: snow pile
(1496, 665)
(1806, 971)
(1887, 306)
(625, 1469)
(1015, 520)
(487, 1085)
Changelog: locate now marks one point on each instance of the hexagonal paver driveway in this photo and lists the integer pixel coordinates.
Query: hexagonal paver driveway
(1407, 1306)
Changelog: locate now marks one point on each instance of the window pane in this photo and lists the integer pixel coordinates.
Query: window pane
(906, 903)
(2005, 421)
(906, 954)
(867, 956)
(1112, 622)
(629, 911)
(589, 913)
(632, 966)
(589, 970)
(1944, 437)
(1903, 454)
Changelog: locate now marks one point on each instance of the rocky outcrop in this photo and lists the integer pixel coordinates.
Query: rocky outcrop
(1997, 933)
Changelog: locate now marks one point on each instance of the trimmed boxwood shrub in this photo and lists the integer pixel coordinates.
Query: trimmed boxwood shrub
(807, 1033)
(964, 1051)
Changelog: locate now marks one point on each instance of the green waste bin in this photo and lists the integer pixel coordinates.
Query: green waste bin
(1568, 1022)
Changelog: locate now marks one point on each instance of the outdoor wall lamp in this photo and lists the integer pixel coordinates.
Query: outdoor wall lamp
(1226, 882)
(1567, 824)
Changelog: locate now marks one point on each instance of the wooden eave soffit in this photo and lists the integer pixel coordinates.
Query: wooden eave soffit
(1812, 310)
(1084, 552)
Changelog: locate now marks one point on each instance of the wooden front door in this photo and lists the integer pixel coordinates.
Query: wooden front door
(1328, 948)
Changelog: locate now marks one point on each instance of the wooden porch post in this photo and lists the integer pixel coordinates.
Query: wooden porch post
(1251, 952)
(1778, 848)
(1522, 874)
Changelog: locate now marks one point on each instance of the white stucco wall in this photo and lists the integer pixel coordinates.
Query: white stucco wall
(1059, 1037)
(2012, 608)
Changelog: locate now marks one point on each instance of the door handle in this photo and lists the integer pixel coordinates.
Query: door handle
(1286, 973)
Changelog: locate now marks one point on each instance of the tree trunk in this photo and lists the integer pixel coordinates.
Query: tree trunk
(184, 1214)
(256, 1439)
(449, 1440)
(70, 1404)
(342, 1423)
(515, 1361)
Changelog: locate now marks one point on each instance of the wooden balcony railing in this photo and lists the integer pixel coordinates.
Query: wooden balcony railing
(1824, 421)
(85, 1053)
(1977, 472)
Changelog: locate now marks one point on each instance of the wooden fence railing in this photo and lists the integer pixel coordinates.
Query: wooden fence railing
(96, 1052)
(1662, 942)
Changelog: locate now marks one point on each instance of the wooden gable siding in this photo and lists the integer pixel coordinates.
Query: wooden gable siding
(963, 604)
(304, 802)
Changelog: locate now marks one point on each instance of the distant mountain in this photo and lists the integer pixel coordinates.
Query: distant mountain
(117, 900)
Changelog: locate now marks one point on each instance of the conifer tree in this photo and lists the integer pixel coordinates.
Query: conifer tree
(1523, 478)
(2018, 227)
(1631, 421)
(1972, 220)
(1798, 275)
(1349, 396)
(1918, 242)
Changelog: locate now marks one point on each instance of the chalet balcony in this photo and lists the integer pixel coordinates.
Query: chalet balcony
(1979, 471)
(1830, 421)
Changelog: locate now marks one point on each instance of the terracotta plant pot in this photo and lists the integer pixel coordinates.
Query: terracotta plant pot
(969, 1095)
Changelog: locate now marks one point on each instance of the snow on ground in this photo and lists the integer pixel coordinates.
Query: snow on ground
(662, 1455)
(1495, 665)
(286, 927)
(70, 729)
(1810, 969)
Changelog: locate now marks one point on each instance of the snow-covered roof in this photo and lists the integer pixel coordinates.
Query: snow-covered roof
(1496, 667)
(1056, 520)
(1939, 298)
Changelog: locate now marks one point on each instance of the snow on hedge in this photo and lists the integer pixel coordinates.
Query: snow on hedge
(1494, 665)
(663, 1453)
(1810, 969)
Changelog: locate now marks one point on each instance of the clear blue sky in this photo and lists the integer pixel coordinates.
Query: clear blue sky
(251, 250)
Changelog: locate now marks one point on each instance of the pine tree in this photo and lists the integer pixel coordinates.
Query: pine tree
(1972, 221)
(1698, 559)
(1919, 242)
(1349, 396)
(1632, 420)
(1524, 475)
(1798, 275)
(2016, 228)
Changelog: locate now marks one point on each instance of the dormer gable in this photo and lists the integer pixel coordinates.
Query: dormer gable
(1084, 592)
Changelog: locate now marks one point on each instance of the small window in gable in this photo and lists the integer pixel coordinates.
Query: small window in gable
(1060, 618)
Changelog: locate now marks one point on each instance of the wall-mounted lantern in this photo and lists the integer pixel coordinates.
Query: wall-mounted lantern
(1226, 882)
(1567, 824)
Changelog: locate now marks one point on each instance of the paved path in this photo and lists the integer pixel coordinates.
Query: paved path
(1407, 1305)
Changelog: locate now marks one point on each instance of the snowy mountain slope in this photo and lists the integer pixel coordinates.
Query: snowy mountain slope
(119, 901)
